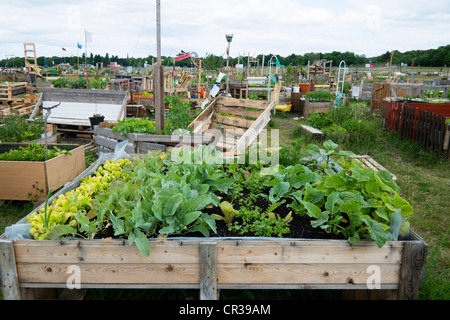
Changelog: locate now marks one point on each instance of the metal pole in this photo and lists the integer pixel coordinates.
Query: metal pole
(158, 90)
(228, 74)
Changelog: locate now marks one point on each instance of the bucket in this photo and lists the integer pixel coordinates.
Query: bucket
(296, 89)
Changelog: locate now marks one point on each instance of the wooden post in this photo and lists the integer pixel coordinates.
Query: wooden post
(208, 271)
(8, 271)
(411, 273)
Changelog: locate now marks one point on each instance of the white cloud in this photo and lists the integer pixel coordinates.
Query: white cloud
(259, 26)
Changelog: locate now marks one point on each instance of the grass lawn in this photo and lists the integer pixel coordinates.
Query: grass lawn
(422, 176)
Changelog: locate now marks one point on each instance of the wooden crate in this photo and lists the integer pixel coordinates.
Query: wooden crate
(211, 264)
(318, 107)
(9, 90)
(236, 123)
(26, 180)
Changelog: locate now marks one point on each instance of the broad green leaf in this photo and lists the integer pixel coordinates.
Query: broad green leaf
(321, 219)
(118, 225)
(167, 230)
(372, 187)
(311, 209)
(383, 213)
(330, 145)
(349, 207)
(61, 230)
(332, 199)
(210, 221)
(172, 204)
(312, 149)
(191, 217)
(376, 231)
(354, 238)
(278, 191)
(347, 153)
(141, 242)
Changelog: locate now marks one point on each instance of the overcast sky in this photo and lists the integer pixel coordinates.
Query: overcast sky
(259, 26)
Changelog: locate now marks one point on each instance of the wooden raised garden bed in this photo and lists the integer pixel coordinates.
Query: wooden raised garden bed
(32, 267)
(318, 107)
(29, 266)
(25, 180)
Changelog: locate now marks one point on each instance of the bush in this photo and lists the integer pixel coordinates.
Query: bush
(319, 96)
(17, 129)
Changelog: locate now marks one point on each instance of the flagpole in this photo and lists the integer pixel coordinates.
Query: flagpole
(85, 59)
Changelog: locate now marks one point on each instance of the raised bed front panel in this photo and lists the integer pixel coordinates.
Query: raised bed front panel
(239, 263)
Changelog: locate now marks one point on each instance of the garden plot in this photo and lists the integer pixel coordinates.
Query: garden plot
(153, 228)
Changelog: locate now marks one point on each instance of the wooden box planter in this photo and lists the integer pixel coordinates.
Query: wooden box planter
(26, 180)
(318, 107)
(28, 266)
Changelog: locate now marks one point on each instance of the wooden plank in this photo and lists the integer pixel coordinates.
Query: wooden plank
(104, 251)
(311, 131)
(234, 121)
(203, 115)
(411, 273)
(285, 252)
(65, 168)
(255, 129)
(208, 269)
(144, 147)
(243, 103)
(172, 139)
(8, 272)
(237, 111)
(17, 179)
(105, 273)
(252, 273)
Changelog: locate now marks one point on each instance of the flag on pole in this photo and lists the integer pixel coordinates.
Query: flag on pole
(64, 49)
(88, 36)
(79, 45)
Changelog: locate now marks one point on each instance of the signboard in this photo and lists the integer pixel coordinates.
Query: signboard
(182, 57)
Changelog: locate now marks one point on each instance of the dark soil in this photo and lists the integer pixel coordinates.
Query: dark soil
(300, 226)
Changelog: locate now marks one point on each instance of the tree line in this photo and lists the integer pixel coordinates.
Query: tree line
(439, 57)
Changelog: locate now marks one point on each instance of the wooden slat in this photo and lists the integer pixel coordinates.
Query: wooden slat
(65, 168)
(106, 273)
(103, 251)
(242, 103)
(234, 121)
(284, 252)
(303, 273)
(208, 271)
(8, 271)
(237, 111)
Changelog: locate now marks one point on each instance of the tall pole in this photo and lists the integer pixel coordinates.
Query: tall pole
(228, 61)
(229, 37)
(158, 90)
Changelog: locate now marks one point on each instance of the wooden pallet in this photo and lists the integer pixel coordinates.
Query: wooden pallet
(369, 162)
(235, 122)
(9, 90)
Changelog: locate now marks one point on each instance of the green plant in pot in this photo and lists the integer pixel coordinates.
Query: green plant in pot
(96, 119)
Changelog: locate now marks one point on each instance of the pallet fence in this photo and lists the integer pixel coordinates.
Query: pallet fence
(417, 124)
